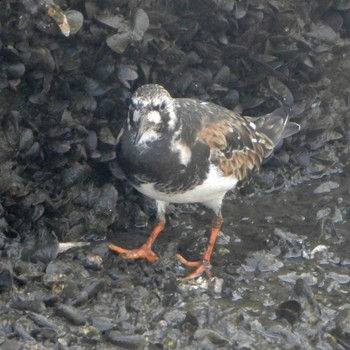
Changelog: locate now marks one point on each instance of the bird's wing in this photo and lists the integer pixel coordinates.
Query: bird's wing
(235, 145)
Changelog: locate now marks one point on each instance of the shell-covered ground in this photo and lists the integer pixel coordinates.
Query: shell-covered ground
(280, 269)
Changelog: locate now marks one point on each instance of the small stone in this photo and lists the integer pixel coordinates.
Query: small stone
(6, 276)
(126, 341)
(214, 337)
(323, 213)
(11, 344)
(174, 316)
(70, 314)
(340, 278)
(42, 333)
(103, 324)
(29, 305)
(326, 187)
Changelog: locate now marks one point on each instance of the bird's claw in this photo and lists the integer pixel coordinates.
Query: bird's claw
(144, 252)
(202, 266)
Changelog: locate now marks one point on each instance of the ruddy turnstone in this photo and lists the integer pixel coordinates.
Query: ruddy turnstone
(182, 150)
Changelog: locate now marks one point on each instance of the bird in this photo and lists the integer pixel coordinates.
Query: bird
(183, 150)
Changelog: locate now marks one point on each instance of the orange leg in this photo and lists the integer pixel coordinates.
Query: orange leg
(203, 265)
(145, 251)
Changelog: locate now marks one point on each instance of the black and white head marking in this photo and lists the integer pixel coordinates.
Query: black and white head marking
(151, 113)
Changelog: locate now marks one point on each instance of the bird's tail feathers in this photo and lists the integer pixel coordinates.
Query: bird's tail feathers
(276, 125)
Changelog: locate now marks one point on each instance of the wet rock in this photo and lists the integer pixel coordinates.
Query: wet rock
(323, 213)
(76, 173)
(44, 248)
(190, 323)
(41, 321)
(91, 335)
(89, 292)
(94, 262)
(71, 314)
(262, 262)
(6, 275)
(174, 317)
(292, 277)
(341, 331)
(43, 333)
(138, 298)
(10, 344)
(302, 289)
(22, 332)
(284, 333)
(213, 337)
(29, 305)
(340, 278)
(231, 99)
(126, 341)
(323, 33)
(103, 324)
(15, 70)
(326, 187)
(106, 201)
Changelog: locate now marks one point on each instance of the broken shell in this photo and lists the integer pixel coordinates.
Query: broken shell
(281, 91)
(140, 24)
(113, 21)
(75, 20)
(118, 42)
(76, 173)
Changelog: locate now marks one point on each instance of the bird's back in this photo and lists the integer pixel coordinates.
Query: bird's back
(237, 144)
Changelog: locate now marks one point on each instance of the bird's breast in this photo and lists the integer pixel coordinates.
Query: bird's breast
(171, 167)
(214, 186)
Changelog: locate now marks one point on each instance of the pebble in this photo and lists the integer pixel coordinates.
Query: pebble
(326, 187)
(174, 316)
(126, 341)
(214, 337)
(70, 314)
(41, 321)
(340, 278)
(103, 324)
(29, 305)
(42, 333)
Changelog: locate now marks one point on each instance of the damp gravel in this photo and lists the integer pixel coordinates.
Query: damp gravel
(280, 281)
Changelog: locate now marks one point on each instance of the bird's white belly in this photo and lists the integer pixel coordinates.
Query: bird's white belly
(213, 187)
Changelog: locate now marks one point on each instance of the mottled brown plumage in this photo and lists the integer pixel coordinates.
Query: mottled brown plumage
(232, 161)
(188, 151)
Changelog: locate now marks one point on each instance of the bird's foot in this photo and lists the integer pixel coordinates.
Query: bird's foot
(144, 252)
(202, 266)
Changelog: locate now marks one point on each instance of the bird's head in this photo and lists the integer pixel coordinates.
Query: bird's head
(151, 113)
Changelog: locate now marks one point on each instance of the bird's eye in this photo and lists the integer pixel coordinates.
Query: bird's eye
(162, 107)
